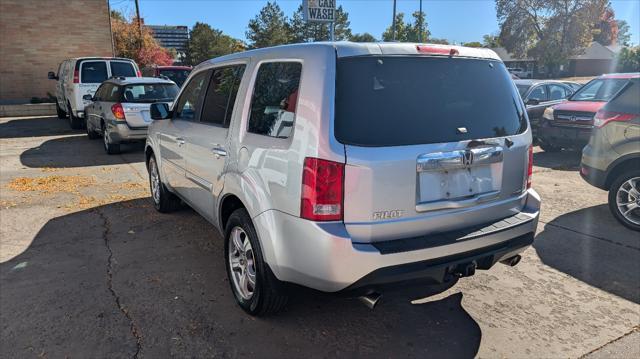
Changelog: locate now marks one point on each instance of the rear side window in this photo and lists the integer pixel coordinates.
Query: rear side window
(628, 100)
(557, 92)
(93, 72)
(112, 93)
(122, 68)
(274, 100)
(221, 95)
(397, 100)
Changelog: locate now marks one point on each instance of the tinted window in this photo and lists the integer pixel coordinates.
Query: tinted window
(177, 76)
(392, 101)
(274, 100)
(150, 92)
(188, 102)
(538, 93)
(599, 90)
(93, 72)
(221, 95)
(628, 100)
(112, 94)
(120, 68)
(557, 92)
(522, 89)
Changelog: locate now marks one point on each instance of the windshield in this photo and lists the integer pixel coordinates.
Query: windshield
(599, 90)
(177, 76)
(522, 89)
(150, 92)
(393, 101)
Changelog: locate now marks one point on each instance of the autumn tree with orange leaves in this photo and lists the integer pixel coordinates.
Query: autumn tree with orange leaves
(127, 43)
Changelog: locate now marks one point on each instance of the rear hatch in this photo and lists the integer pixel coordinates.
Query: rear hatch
(137, 114)
(139, 96)
(433, 144)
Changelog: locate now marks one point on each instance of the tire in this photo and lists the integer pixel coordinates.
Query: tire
(548, 147)
(74, 122)
(163, 200)
(621, 192)
(61, 114)
(109, 147)
(93, 135)
(269, 294)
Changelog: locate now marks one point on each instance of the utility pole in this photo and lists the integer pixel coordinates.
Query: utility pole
(139, 25)
(421, 23)
(393, 23)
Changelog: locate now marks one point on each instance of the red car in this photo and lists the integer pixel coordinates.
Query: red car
(177, 74)
(569, 124)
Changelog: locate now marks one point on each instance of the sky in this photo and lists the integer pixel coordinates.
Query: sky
(455, 20)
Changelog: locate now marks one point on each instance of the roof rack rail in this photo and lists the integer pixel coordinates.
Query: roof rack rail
(118, 77)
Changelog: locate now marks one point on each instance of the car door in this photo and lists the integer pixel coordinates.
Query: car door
(171, 133)
(92, 115)
(536, 102)
(207, 140)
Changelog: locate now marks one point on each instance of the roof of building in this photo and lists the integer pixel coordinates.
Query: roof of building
(595, 51)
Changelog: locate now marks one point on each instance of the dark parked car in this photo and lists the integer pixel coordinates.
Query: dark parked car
(574, 85)
(540, 94)
(569, 124)
(177, 74)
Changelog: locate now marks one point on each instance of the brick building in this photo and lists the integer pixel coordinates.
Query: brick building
(36, 35)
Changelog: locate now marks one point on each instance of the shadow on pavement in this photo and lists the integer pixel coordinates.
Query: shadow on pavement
(36, 127)
(564, 160)
(122, 278)
(78, 151)
(590, 245)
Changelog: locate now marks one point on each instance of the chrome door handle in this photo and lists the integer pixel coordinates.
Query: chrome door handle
(219, 152)
(180, 141)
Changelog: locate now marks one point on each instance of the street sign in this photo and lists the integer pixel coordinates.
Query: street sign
(319, 10)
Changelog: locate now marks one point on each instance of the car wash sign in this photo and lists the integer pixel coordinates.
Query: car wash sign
(319, 10)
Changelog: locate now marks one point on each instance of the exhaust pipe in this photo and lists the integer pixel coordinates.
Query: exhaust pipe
(512, 261)
(370, 300)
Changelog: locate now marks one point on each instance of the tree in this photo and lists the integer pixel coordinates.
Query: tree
(550, 31)
(410, 31)
(302, 31)
(206, 43)
(624, 36)
(364, 37)
(629, 59)
(433, 40)
(127, 43)
(472, 44)
(491, 41)
(269, 28)
(605, 31)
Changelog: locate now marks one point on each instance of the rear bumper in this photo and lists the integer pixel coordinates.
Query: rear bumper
(567, 137)
(121, 132)
(322, 255)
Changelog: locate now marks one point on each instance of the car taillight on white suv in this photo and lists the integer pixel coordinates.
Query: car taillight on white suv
(604, 117)
(322, 190)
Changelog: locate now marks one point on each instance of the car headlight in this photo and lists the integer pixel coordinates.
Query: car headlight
(548, 114)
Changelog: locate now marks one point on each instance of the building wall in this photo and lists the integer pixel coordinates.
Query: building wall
(36, 35)
(591, 67)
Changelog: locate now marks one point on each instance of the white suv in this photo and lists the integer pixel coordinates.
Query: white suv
(349, 167)
(81, 76)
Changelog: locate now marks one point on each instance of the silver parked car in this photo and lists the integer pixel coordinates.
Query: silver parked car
(119, 110)
(349, 167)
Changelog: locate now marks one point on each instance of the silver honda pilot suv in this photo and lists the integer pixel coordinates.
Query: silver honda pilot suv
(349, 168)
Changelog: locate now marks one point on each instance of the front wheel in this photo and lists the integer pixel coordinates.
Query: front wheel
(624, 199)
(255, 288)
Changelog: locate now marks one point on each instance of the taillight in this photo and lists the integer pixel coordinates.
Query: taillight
(322, 190)
(436, 50)
(603, 117)
(118, 111)
(76, 77)
(138, 73)
(530, 167)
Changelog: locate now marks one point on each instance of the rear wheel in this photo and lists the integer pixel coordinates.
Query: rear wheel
(255, 288)
(74, 122)
(109, 147)
(60, 112)
(92, 134)
(624, 199)
(163, 200)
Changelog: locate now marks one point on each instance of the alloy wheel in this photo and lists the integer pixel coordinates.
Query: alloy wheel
(628, 200)
(155, 181)
(242, 263)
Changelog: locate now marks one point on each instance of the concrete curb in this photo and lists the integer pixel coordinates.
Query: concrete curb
(39, 109)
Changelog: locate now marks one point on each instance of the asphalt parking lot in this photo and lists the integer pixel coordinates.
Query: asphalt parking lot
(88, 269)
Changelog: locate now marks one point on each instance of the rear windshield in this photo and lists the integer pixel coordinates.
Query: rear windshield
(392, 101)
(93, 72)
(177, 76)
(150, 92)
(121, 68)
(599, 90)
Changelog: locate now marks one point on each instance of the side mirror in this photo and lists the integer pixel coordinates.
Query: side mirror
(87, 97)
(52, 75)
(533, 102)
(160, 111)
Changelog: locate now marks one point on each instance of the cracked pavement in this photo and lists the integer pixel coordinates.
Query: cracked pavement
(96, 272)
